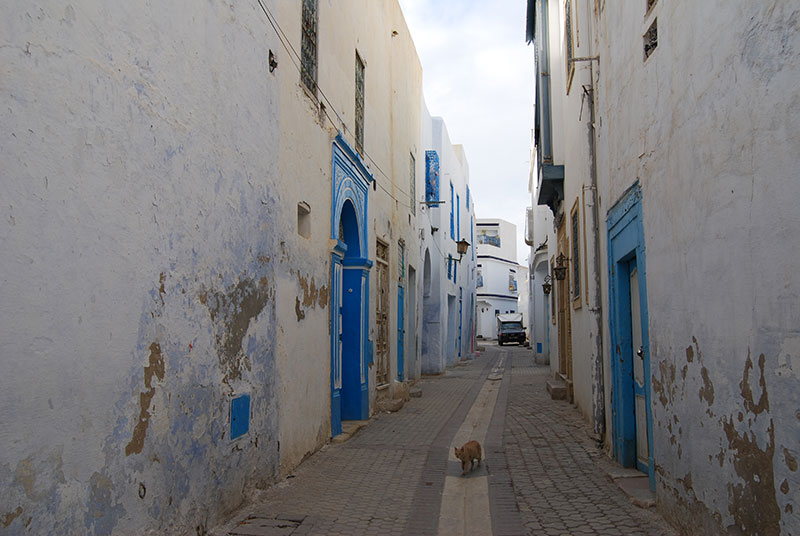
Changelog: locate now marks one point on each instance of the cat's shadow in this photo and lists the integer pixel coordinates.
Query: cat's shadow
(454, 469)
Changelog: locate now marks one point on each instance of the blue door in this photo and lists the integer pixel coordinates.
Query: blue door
(401, 334)
(630, 359)
(460, 309)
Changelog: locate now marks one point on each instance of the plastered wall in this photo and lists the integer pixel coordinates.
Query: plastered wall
(142, 224)
(708, 127)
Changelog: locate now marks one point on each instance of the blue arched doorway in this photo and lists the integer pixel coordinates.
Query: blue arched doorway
(349, 287)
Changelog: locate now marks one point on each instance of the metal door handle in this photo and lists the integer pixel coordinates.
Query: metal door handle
(640, 352)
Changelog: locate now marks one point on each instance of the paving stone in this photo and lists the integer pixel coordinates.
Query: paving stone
(388, 478)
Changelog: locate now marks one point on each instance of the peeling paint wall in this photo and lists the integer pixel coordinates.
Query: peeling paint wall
(141, 214)
(708, 126)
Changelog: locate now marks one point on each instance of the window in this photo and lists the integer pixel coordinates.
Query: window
(651, 39)
(401, 257)
(512, 281)
(576, 255)
(455, 270)
(359, 104)
(479, 279)
(569, 42)
(431, 176)
(472, 235)
(489, 238)
(467, 197)
(413, 183)
(308, 71)
(304, 219)
(449, 266)
(458, 217)
(452, 227)
(650, 4)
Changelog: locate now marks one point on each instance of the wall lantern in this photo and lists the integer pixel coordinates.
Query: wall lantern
(547, 286)
(561, 267)
(462, 247)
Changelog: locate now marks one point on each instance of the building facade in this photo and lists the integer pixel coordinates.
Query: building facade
(499, 273)
(447, 216)
(665, 155)
(212, 251)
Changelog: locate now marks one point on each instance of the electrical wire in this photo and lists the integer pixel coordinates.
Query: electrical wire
(293, 55)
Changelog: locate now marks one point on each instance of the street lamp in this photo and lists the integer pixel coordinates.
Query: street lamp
(560, 269)
(547, 286)
(461, 247)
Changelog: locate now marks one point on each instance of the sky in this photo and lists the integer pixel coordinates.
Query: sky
(478, 76)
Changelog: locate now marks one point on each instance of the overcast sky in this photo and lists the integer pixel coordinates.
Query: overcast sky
(478, 76)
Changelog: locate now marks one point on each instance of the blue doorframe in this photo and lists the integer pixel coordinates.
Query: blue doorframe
(401, 334)
(626, 251)
(349, 285)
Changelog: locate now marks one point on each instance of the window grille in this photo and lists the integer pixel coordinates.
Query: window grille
(359, 104)
(401, 257)
(413, 184)
(576, 262)
(308, 50)
(382, 313)
(569, 43)
(651, 39)
(431, 176)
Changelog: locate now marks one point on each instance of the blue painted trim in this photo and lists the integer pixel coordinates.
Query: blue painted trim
(240, 416)
(357, 262)
(497, 296)
(498, 259)
(626, 245)
(350, 183)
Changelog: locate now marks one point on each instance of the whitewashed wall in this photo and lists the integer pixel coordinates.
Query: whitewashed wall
(141, 221)
(708, 127)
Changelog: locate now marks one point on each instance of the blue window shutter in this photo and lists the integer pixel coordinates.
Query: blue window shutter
(452, 227)
(431, 176)
(458, 217)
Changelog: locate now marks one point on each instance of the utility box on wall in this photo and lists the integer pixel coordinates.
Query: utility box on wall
(240, 416)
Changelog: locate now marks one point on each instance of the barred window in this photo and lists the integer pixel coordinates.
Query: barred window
(576, 257)
(308, 72)
(413, 185)
(359, 104)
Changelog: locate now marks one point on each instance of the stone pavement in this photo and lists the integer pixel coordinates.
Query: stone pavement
(540, 470)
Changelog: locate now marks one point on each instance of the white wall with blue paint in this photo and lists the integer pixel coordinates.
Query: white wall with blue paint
(139, 227)
(716, 159)
(450, 280)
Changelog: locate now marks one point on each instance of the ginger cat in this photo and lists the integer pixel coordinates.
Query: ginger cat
(468, 453)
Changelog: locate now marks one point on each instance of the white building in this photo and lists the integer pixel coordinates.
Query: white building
(447, 216)
(667, 154)
(211, 250)
(498, 276)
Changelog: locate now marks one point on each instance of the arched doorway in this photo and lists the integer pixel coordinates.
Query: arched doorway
(349, 287)
(430, 317)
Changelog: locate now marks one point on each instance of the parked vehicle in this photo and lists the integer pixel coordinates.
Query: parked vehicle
(510, 328)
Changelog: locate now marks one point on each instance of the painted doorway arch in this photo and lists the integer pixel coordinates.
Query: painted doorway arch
(349, 287)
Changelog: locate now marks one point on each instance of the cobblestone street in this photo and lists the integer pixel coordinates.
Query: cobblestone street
(544, 474)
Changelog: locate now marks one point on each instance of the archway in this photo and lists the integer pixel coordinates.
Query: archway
(349, 286)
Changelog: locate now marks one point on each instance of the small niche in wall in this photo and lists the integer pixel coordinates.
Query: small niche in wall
(304, 219)
(651, 39)
(240, 416)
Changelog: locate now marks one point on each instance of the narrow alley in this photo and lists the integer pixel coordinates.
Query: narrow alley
(542, 473)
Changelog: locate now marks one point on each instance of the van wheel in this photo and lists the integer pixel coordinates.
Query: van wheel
(499, 342)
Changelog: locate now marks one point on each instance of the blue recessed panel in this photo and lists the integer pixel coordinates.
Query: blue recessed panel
(240, 416)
